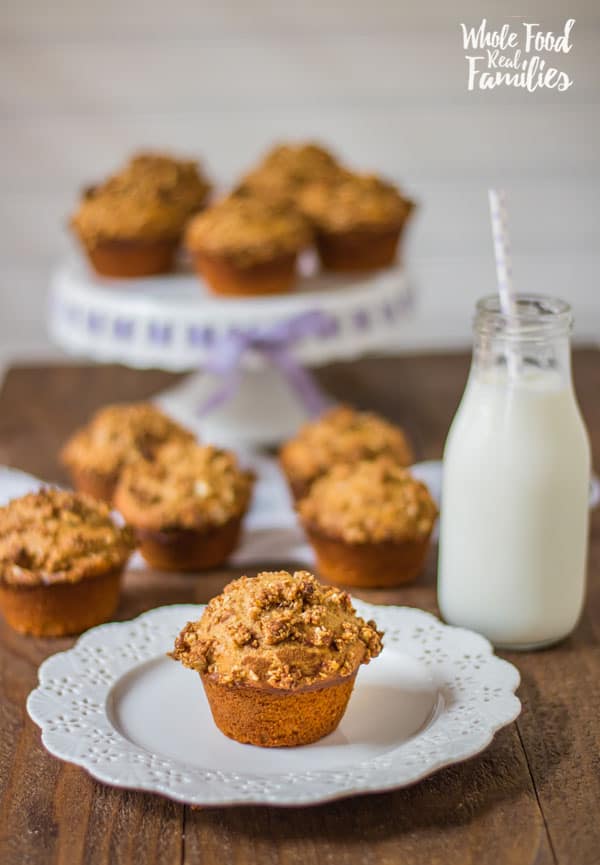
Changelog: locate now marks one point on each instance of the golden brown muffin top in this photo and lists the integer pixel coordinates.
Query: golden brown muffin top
(354, 201)
(371, 501)
(247, 231)
(119, 434)
(344, 435)
(151, 198)
(286, 168)
(186, 486)
(278, 630)
(55, 536)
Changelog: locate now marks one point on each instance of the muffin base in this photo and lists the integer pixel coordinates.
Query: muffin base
(359, 250)
(59, 609)
(94, 484)
(271, 718)
(369, 565)
(265, 277)
(189, 549)
(132, 258)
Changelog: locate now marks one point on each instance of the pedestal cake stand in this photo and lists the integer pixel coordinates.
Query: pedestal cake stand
(247, 356)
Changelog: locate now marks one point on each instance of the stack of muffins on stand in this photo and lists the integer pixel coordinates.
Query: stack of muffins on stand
(247, 242)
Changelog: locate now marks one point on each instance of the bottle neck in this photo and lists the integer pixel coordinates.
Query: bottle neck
(534, 339)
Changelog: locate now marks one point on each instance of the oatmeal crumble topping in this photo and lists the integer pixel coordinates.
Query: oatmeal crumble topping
(286, 168)
(354, 201)
(342, 434)
(119, 434)
(279, 630)
(151, 198)
(186, 486)
(247, 231)
(57, 536)
(370, 501)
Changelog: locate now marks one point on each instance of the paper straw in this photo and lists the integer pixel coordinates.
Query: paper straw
(503, 264)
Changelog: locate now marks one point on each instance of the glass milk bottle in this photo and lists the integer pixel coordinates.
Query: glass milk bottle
(514, 513)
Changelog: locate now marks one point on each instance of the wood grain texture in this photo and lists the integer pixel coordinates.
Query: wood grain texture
(530, 799)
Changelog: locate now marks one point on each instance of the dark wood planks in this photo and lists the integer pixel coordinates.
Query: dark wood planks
(532, 797)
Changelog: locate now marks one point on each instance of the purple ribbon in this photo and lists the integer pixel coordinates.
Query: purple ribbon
(274, 343)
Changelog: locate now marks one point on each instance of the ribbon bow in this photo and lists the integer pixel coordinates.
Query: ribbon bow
(273, 342)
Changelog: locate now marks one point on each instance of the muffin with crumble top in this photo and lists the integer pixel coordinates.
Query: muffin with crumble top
(278, 656)
(342, 434)
(131, 224)
(357, 219)
(369, 523)
(246, 246)
(186, 505)
(117, 435)
(286, 169)
(61, 560)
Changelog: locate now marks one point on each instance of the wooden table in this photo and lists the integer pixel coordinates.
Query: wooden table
(532, 797)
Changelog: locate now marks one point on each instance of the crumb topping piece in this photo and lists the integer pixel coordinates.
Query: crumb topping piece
(186, 486)
(287, 168)
(247, 231)
(354, 202)
(119, 434)
(151, 198)
(342, 435)
(371, 501)
(57, 536)
(278, 630)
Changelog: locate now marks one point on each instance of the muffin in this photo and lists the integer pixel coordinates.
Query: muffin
(131, 225)
(286, 169)
(245, 246)
(278, 655)
(186, 505)
(61, 560)
(369, 523)
(116, 435)
(340, 435)
(357, 220)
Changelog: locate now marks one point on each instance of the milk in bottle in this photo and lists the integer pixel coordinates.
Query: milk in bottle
(514, 514)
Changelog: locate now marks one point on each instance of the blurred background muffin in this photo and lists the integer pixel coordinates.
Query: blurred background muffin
(131, 224)
(247, 246)
(186, 505)
(61, 559)
(369, 523)
(116, 435)
(357, 219)
(284, 171)
(340, 435)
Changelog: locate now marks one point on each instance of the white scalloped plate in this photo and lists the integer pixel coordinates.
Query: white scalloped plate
(117, 706)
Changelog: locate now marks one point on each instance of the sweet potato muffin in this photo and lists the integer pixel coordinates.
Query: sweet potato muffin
(186, 505)
(115, 436)
(278, 655)
(131, 225)
(357, 219)
(286, 169)
(369, 523)
(245, 246)
(340, 435)
(61, 560)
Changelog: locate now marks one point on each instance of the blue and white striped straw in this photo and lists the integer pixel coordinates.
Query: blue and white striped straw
(502, 251)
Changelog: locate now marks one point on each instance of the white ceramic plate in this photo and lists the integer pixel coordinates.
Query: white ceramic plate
(116, 705)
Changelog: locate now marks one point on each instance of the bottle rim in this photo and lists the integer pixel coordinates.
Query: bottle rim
(536, 316)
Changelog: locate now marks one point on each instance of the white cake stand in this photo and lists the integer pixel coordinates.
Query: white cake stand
(174, 323)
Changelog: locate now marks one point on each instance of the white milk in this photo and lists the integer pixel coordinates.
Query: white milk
(514, 515)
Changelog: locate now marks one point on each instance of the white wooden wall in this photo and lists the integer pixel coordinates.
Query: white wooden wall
(383, 81)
